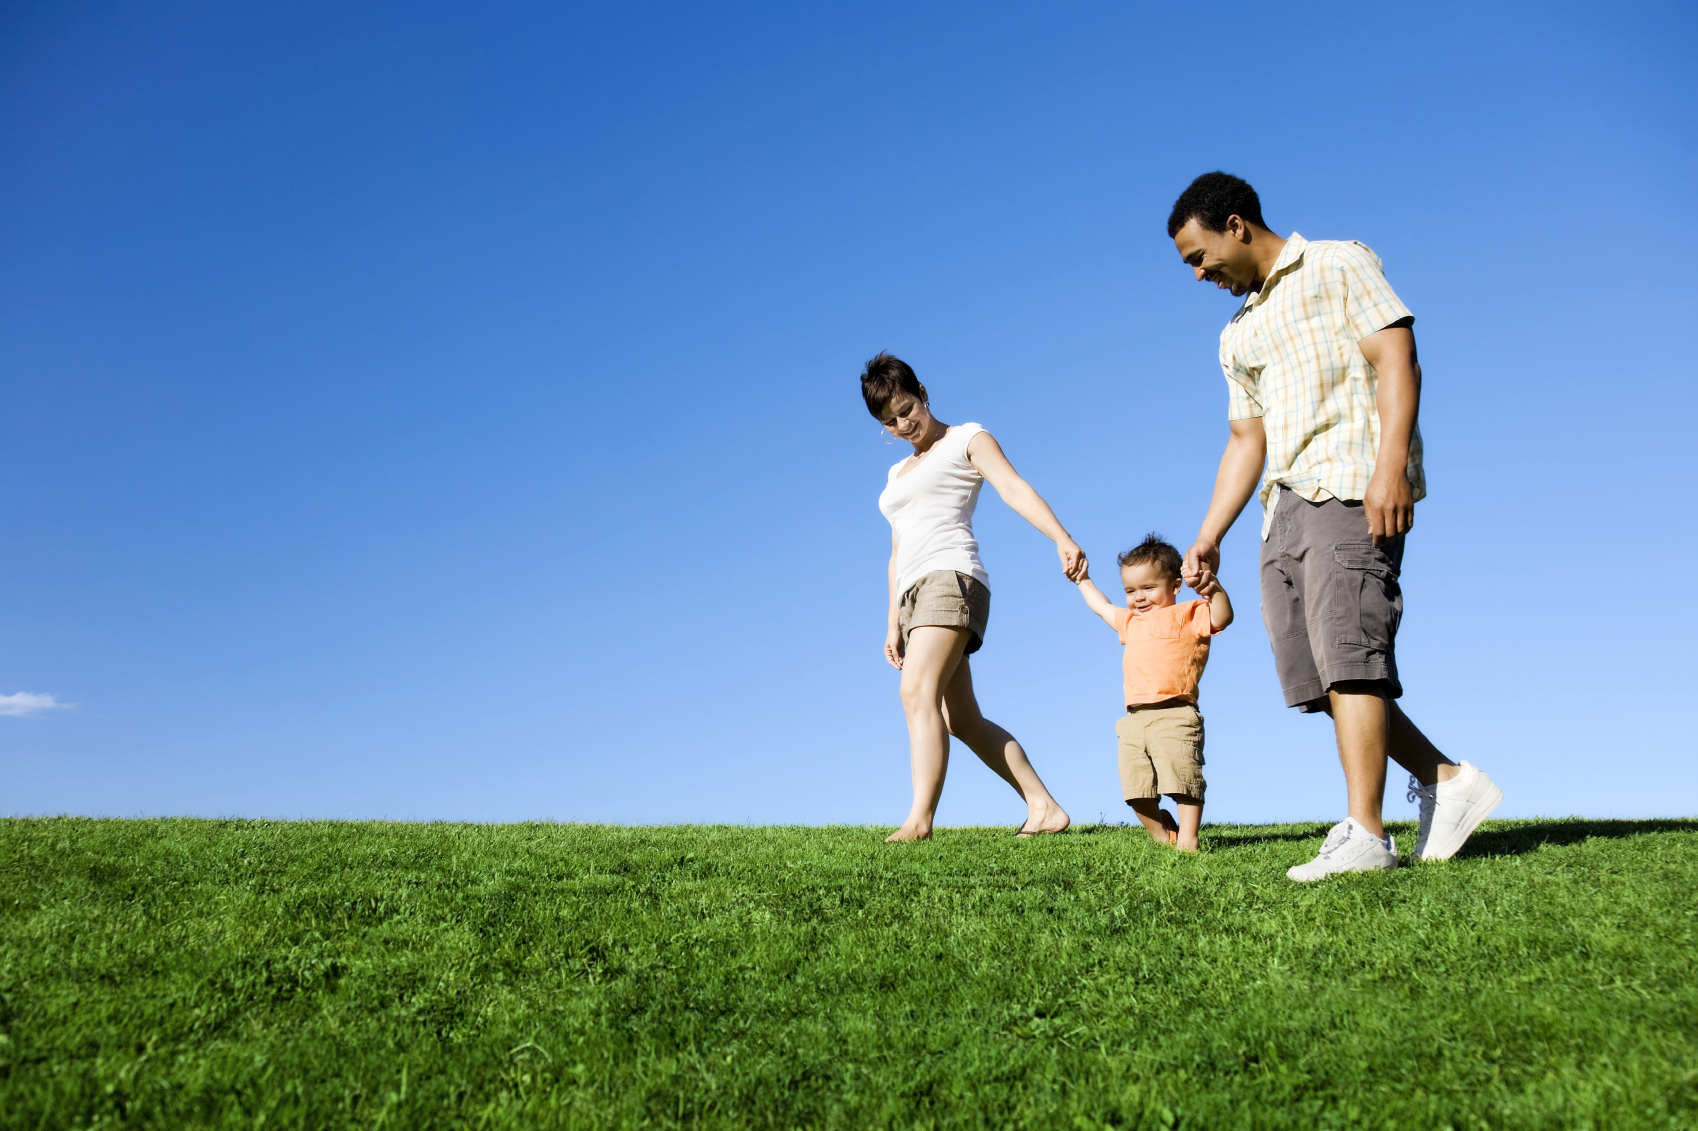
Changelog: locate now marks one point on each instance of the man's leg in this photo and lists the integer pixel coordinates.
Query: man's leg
(1454, 798)
(1370, 727)
(1411, 749)
(1362, 722)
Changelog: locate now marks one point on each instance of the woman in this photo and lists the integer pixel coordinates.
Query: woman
(940, 593)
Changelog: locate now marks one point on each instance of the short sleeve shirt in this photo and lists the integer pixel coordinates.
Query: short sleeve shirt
(1166, 651)
(1291, 357)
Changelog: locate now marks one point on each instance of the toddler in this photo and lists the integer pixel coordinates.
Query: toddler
(1167, 645)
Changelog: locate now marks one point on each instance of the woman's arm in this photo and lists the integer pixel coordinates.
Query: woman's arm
(985, 454)
(893, 630)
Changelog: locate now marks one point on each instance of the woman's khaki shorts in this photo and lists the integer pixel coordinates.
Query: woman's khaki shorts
(1161, 751)
(948, 600)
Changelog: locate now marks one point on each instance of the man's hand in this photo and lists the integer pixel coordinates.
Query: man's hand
(1072, 558)
(1202, 561)
(1389, 504)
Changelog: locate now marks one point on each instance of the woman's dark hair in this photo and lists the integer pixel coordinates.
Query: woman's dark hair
(884, 377)
(1153, 551)
(1211, 200)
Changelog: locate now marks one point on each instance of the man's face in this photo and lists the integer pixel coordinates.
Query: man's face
(1221, 258)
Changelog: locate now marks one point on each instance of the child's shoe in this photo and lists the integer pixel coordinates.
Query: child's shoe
(1348, 848)
(1459, 805)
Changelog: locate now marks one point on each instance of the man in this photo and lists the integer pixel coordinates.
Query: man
(1324, 389)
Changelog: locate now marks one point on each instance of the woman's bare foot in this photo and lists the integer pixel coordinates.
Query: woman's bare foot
(910, 831)
(1052, 818)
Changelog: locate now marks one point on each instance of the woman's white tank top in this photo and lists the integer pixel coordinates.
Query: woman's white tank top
(931, 510)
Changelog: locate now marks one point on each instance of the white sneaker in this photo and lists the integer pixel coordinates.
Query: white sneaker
(1428, 796)
(1459, 805)
(1348, 848)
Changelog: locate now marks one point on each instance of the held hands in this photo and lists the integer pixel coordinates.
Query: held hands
(1389, 504)
(1073, 562)
(893, 647)
(1202, 560)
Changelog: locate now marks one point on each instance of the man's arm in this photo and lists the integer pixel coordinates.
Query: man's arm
(1097, 603)
(1390, 500)
(1240, 471)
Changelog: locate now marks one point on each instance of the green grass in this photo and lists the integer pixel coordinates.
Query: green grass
(183, 973)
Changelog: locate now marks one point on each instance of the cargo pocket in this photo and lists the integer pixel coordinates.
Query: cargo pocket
(1370, 599)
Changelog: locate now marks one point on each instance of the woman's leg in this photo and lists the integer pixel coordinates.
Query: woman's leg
(998, 749)
(932, 656)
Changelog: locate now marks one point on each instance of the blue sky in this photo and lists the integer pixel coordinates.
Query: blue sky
(430, 411)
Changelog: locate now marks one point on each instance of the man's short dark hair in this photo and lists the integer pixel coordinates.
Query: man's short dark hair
(1153, 551)
(884, 377)
(1211, 200)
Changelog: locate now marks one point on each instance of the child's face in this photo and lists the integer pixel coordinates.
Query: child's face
(1147, 587)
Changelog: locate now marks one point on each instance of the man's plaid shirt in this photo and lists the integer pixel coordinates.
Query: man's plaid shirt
(1290, 357)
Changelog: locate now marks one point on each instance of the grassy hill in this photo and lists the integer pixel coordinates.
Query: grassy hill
(185, 973)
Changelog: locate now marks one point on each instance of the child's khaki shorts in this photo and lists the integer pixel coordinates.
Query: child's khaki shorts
(1161, 751)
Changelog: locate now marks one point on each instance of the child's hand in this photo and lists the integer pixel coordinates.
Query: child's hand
(1206, 586)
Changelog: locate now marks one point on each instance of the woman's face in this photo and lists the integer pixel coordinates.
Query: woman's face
(906, 418)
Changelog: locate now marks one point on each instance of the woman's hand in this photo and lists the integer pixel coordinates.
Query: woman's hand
(893, 647)
(1072, 558)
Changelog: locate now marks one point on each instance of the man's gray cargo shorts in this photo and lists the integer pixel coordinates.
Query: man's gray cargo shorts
(1330, 599)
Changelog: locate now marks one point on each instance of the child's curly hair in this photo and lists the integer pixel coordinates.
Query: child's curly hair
(1153, 550)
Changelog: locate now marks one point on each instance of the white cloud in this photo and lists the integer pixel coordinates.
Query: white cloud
(29, 703)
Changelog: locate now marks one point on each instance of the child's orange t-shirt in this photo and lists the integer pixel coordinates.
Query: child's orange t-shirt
(1166, 651)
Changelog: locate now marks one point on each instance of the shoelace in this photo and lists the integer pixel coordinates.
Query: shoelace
(1427, 796)
(1335, 840)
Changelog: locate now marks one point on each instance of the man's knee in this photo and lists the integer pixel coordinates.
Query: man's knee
(1350, 688)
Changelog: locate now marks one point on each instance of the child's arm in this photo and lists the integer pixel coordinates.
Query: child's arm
(1097, 603)
(1220, 605)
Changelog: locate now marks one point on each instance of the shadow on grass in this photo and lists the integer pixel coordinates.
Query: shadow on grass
(1513, 839)
(1288, 833)
(1497, 838)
